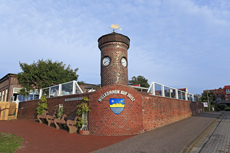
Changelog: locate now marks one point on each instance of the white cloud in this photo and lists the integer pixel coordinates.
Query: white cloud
(176, 43)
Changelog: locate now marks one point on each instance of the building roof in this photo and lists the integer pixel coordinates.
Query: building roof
(5, 77)
(222, 101)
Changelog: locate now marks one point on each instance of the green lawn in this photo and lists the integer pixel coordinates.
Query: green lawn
(9, 143)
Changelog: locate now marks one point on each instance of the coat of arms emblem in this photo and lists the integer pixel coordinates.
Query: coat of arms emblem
(117, 105)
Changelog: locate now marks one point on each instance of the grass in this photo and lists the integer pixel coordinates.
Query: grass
(9, 143)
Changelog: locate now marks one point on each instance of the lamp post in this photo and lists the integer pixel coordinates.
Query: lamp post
(208, 101)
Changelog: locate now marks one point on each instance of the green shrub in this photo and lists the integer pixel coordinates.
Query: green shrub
(206, 109)
(222, 106)
(216, 108)
(82, 108)
(227, 109)
(42, 106)
(59, 112)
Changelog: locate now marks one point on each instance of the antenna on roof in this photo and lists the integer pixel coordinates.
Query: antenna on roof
(114, 27)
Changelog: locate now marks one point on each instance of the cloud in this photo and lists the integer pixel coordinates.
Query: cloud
(176, 43)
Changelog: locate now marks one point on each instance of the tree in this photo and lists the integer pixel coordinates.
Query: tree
(139, 80)
(80, 82)
(43, 74)
(211, 97)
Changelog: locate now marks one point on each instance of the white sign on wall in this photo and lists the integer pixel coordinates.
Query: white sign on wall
(205, 104)
(116, 92)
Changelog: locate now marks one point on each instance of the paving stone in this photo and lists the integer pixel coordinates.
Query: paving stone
(172, 138)
(217, 140)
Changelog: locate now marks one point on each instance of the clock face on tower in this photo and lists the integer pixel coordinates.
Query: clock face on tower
(106, 61)
(124, 61)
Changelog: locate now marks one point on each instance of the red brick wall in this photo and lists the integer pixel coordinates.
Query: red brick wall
(114, 73)
(160, 111)
(145, 113)
(114, 46)
(104, 122)
(29, 107)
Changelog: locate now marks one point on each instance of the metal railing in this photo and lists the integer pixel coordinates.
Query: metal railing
(166, 91)
(67, 88)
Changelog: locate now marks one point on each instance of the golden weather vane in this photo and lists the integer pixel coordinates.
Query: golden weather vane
(116, 26)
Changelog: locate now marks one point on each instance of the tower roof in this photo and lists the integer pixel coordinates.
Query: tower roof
(113, 37)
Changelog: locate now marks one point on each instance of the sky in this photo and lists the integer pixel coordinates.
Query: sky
(174, 43)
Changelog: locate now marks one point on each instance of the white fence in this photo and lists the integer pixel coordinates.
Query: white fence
(72, 87)
(67, 88)
(165, 91)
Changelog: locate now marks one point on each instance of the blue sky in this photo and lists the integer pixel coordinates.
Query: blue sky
(175, 43)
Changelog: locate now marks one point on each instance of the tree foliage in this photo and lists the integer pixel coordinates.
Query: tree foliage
(139, 80)
(80, 82)
(43, 74)
(211, 97)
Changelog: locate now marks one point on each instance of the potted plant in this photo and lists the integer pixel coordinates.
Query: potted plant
(42, 106)
(82, 112)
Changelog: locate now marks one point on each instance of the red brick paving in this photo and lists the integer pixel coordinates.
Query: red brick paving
(39, 138)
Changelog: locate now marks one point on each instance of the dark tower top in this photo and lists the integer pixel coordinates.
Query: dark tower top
(114, 59)
(113, 37)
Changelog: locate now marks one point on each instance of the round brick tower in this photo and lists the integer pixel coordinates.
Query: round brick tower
(114, 61)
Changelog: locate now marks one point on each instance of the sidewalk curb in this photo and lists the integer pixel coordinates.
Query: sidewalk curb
(189, 146)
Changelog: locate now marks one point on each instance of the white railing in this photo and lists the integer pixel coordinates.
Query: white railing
(166, 91)
(67, 88)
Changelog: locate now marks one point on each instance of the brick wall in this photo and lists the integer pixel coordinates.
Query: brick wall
(105, 122)
(114, 73)
(160, 111)
(114, 46)
(145, 113)
(28, 108)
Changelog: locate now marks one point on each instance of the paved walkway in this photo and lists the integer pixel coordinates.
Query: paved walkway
(217, 139)
(173, 138)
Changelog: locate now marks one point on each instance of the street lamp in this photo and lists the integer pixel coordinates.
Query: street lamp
(208, 101)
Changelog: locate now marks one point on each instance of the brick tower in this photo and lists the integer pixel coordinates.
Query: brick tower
(114, 61)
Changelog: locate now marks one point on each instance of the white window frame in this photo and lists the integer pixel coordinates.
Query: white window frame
(6, 94)
(2, 95)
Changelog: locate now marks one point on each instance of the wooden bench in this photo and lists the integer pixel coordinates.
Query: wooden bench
(8, 110)
(71, 122)
(50, 118)
(39, 117)
(60, 121)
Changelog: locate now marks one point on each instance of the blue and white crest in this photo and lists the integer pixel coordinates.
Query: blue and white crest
(117, 105)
